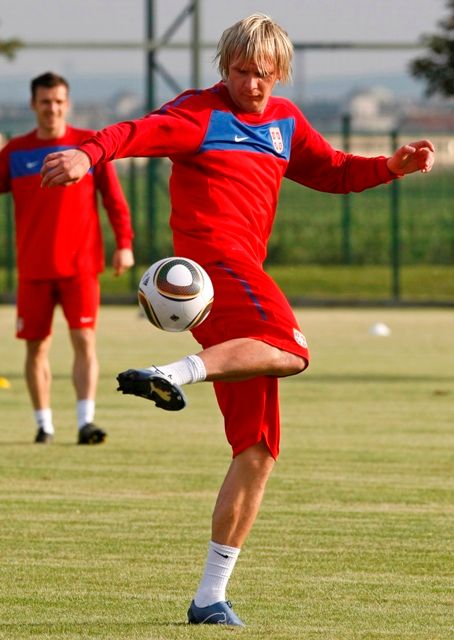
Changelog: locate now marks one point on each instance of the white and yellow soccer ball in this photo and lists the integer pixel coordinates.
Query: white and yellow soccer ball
(176, 294)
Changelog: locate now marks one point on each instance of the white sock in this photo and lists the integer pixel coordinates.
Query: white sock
(218, 569)
(85, 412)
(43, 419)
(186, 371)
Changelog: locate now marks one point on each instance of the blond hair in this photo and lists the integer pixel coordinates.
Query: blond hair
(256, 39)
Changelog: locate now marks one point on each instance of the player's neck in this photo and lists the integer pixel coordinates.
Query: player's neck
(49, 133)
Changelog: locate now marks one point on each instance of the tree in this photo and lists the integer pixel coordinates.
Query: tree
(8, 47)
(437, 68)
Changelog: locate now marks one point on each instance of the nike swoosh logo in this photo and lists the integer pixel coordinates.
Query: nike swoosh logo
(224, 555)
(30, 165)
(86, 319)
(240, 138)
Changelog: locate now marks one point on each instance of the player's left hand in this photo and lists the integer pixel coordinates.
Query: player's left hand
(123, 259)
(415, 156)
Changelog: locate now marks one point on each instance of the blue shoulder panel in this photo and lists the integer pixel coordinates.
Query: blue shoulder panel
(226, 133)
(28, 162)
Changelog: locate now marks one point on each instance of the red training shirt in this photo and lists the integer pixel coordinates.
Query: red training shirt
(58, 230)
(228, 166)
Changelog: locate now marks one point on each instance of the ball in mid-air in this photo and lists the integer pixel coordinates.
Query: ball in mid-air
(176, 294)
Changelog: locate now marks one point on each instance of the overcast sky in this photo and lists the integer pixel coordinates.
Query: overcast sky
(123, 20)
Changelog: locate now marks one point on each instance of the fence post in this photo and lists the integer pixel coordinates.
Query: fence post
(152, 163)
(152, 208)
(346, 198)
(132, 197)
(395, 228)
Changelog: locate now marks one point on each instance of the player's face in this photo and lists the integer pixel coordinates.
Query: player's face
(249, 87)
(51, 107)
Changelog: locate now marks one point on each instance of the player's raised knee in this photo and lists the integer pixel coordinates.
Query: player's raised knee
(296, 365)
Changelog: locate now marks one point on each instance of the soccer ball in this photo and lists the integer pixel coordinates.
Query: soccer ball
(176, 294)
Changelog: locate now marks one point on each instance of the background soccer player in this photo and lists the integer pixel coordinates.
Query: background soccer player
(231, 145)
(60, 253)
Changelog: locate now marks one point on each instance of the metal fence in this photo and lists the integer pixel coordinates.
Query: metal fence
(408, 222)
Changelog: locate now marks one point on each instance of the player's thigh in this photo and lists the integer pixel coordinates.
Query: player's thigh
(36, 301)
(79, 298)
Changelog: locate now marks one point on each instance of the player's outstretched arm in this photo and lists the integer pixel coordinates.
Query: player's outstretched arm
(64, 167)
(415, 156)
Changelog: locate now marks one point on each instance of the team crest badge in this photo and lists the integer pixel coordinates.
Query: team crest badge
(276, 139)
(299, 338)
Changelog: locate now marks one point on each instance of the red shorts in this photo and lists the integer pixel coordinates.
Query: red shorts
(37, 299)
(249, 304)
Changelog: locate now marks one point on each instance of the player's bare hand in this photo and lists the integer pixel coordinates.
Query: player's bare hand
(123, 259)
(64, 168)
(415, 156)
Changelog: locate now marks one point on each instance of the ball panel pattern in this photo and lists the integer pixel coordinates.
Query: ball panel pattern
(179, 291)
(176, 294)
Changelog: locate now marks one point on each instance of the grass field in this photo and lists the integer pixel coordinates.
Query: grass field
(354, 539)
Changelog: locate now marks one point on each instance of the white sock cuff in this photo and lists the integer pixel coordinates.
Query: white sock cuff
(43, 419)
(188, 370)
(219, 565)
(232, 552)
(197, 367)
(85, 412)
